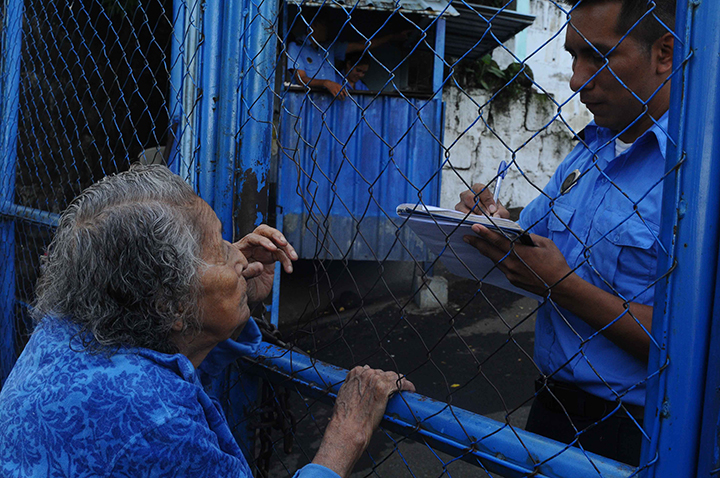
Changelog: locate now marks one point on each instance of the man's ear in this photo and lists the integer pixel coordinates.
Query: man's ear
(663, 53)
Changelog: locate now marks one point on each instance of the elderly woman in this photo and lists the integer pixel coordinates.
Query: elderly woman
(140, 302)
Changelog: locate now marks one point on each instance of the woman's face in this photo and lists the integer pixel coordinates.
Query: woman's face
(223, 300)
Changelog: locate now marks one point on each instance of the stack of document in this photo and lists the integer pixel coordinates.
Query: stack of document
(442, 230)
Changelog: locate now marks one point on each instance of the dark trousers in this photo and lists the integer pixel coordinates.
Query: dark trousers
(617, 437)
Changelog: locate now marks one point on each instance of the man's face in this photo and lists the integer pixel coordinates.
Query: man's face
(599, 59)
(357, 73)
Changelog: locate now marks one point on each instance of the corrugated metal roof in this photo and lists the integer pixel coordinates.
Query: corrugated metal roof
(479, 29)
(431, 8)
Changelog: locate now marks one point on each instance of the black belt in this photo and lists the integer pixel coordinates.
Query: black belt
(556, 396)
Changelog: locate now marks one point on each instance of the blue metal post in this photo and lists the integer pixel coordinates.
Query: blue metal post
(684, 301)
(9, 103)
(177, 55)
(256, 114)
(232, 26)
(209, 85)
(709, 456)
(439, 63)
(188, 127)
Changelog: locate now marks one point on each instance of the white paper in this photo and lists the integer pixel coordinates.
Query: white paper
(459, 257)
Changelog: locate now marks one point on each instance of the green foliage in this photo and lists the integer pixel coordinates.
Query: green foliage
(486, 74)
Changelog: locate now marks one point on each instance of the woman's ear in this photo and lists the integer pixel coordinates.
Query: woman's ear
(663, 53)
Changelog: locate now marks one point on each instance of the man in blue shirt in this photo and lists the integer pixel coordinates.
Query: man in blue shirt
(595, 228)
(312, 61)
(356, 67)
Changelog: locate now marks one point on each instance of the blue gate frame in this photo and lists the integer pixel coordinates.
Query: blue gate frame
(683, 405)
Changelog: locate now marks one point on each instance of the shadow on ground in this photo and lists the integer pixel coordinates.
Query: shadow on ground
(475, 354)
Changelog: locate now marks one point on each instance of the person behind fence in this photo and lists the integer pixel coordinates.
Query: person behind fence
(596, 228)
(140, 302)
(312, 59)
(356, 67)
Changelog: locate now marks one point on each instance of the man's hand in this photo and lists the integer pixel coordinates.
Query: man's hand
(533, 268)
(359, 407)
(480, 200)
(335, 89)
(264, 246)
(538, 268)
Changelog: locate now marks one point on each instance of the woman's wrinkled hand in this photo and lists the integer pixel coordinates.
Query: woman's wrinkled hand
(263, 248)
(359, 407)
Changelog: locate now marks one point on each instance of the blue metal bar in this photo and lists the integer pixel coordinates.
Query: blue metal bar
(232, 25)
(439, 64)
(684, 301)
(210, 87)
(27, 214)
(275, 307)
(502, 449)
(9, 104)
(709, 456)
(177, 60)
(188, 129)
(256, 113)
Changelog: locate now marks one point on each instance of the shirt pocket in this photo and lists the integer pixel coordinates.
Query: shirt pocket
(624, 253)
(560, 230)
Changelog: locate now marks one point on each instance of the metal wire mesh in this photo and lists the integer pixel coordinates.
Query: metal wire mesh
(93, 97)
(96, 94)
(349, 167)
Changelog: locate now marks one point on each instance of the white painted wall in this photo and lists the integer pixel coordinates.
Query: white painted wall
(539, 133)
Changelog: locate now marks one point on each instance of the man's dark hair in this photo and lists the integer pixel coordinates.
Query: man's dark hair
(659, 21)
(357, 58)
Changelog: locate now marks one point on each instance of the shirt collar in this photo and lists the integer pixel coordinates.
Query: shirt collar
(592, 133)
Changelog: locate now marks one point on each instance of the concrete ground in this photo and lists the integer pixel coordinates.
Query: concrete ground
(475, 353)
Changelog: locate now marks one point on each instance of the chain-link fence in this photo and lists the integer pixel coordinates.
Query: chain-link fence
(322, 118)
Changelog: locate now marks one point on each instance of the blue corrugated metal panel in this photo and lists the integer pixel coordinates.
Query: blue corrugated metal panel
(345, 166)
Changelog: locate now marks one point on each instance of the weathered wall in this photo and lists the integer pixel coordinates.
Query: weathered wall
(522, 130)
(480, 134)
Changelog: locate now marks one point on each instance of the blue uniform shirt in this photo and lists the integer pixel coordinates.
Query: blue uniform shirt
(316, 63)
(607, 227)
(360, 86)
(138, 413)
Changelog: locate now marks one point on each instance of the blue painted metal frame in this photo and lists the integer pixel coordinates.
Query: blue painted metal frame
(450, 429)
(684, 314)
(9, 103)
(211, 61)
(184, 104)
(709, 456)
(255, 96)
(227, 105)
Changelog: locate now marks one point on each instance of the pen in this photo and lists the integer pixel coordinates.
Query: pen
(502, 170)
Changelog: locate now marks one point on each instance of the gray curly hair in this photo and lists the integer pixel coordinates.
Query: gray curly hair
(125, 262)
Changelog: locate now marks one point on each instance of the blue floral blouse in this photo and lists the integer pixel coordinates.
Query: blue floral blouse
(65, 412)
